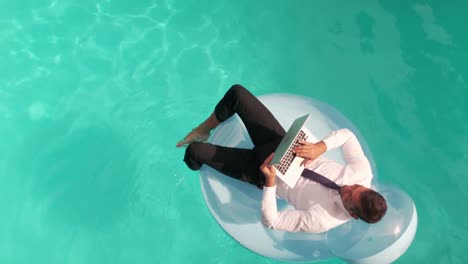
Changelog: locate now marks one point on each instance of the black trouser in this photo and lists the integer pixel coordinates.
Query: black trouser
(242, 164)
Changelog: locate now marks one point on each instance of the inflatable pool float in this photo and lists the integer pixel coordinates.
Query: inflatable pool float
(236, 205)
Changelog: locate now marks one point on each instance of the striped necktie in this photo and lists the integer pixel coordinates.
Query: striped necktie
(312, 175)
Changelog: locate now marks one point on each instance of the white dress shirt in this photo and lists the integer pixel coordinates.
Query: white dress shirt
(318, 208)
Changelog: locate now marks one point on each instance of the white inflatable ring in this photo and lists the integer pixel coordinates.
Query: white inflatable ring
(236, 205)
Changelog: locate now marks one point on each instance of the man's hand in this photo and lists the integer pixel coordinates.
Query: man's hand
(269, 171)
(309, 151)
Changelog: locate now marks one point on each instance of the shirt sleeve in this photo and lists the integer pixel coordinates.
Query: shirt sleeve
(357, 163)
(290, 220)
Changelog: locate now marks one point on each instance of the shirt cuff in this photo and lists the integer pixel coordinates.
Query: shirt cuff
(330, 141)
(269, 193)
(337, 138)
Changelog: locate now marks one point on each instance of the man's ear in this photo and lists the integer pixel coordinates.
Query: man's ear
(353, 214)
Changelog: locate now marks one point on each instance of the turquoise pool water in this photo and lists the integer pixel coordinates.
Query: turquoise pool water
(95, 94)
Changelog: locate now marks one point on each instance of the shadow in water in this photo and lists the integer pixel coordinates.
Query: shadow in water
(82, 177)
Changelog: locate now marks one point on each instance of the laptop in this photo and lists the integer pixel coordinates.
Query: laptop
(288, 166)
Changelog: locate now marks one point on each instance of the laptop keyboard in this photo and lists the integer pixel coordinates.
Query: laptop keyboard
(288, 158)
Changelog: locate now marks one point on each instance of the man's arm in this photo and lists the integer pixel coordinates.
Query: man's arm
(290, 220)
(352, 151)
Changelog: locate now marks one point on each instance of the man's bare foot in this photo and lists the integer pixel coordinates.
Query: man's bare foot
(196, 135)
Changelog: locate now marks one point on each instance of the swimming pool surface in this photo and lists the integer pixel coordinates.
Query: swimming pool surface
(95, 94)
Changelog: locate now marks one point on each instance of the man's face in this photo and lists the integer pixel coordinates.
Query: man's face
(351, 198)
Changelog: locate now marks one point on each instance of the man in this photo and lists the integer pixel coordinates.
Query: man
(317, 208)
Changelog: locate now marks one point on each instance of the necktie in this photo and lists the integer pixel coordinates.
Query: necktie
(320, 179)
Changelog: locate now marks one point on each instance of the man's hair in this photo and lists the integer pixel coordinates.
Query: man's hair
(373, 207)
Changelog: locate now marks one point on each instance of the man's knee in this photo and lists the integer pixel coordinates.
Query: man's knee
(192, 155)
(238, 90)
